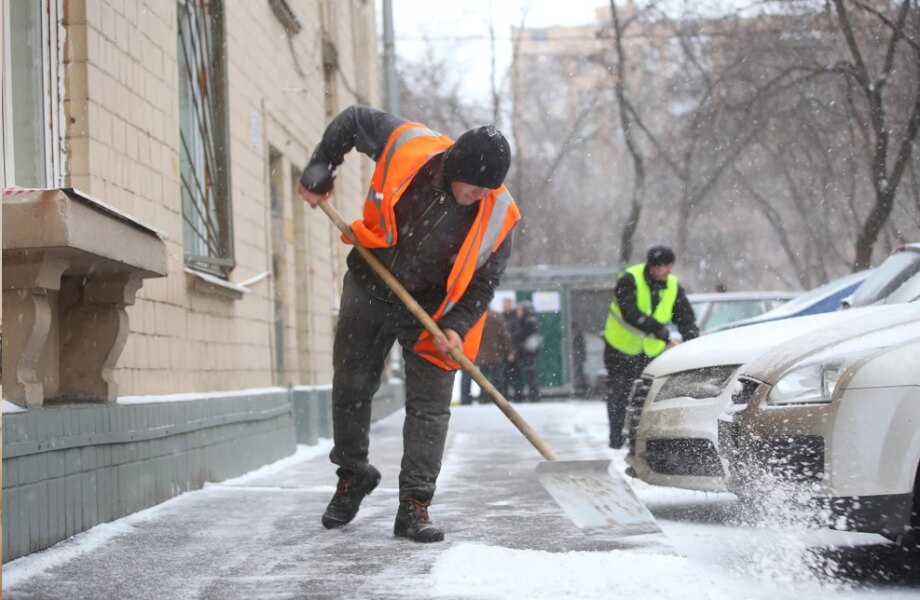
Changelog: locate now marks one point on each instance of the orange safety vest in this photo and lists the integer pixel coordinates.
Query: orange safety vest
(408, 149)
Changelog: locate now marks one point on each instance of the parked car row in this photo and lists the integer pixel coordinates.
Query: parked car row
(719, 309)
(839, 418)
(827, 403)
(824, 298)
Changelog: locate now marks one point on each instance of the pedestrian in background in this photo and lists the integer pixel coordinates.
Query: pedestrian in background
(512, 372)
(527, 344)
(495, 351)
(646, 298)
(579, 355)
(466, 387)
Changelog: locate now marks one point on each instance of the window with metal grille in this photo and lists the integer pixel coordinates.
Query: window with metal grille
(204, 153)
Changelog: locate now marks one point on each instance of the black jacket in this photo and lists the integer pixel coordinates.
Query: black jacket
(684, 318)
(432, 225)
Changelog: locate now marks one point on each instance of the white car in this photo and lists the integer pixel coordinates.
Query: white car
(674, 409)
(833, 422)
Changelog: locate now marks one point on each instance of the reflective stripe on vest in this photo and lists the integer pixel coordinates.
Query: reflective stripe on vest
(408, 149)
(495, 218)
(410, 146)
(629, 339)
(376, 196)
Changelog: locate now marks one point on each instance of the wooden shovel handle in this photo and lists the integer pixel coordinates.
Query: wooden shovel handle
(434, 330)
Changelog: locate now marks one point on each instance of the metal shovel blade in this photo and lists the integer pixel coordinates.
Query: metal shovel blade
(597, 499)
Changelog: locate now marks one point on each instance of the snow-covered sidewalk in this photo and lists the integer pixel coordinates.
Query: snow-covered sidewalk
(259, 536)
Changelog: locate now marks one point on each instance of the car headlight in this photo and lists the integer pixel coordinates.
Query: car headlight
(808, 384)
(707, 382)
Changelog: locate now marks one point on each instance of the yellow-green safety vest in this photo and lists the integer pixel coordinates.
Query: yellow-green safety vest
(629, 339)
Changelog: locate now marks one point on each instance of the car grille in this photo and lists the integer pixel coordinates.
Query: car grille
(744, 391)
(634, 409)
(791, 457)
(787, 457)
(683, 456)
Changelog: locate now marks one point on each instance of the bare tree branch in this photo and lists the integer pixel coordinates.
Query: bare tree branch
(862, 5)
(885, 183)
(775, 218)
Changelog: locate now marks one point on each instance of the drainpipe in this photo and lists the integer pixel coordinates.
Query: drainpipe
(389, 60)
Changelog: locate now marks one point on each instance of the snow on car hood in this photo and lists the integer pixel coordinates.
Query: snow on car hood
(900, 324)
(743, 344)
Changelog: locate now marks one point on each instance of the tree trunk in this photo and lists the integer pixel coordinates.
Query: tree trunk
(638, 196)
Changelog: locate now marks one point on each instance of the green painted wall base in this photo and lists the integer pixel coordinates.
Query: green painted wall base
(68, 468)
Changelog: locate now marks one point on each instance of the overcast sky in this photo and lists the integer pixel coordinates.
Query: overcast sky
(460, 31)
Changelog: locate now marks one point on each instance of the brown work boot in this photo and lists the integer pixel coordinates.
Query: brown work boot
(412, 521)
(349, 493)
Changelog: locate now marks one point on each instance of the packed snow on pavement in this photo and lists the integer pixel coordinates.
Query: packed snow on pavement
(707, 549)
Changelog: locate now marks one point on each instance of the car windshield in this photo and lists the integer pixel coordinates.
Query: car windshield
(909, 291)
(889, 276)
(729, 312)
(807, 298)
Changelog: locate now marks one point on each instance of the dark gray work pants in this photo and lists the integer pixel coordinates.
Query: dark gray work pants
(366, 331)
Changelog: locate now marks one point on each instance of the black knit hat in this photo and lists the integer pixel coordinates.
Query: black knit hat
(660, 255)
(479, 157)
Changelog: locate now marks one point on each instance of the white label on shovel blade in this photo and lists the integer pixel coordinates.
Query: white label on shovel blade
(597, 500)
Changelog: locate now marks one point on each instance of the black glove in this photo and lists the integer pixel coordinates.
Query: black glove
(663, 334)
(318, 178)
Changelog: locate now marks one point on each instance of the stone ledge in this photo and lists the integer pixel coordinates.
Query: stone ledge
(71, 265)
(95, 237)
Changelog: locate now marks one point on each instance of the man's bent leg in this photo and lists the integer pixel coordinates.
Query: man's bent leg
(428, 392)
(362, 341)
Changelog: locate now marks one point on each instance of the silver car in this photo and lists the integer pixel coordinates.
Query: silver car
(836, 420)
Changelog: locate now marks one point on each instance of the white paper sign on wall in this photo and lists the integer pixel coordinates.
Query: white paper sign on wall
(498, 300)
(547, 301)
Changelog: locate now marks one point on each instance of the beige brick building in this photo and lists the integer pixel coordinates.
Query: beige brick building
(195, 117)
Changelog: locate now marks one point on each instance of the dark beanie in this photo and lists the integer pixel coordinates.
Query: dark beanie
(479, 157)
(660, 255)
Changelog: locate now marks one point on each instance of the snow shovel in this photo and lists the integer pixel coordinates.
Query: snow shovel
(597, 499)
